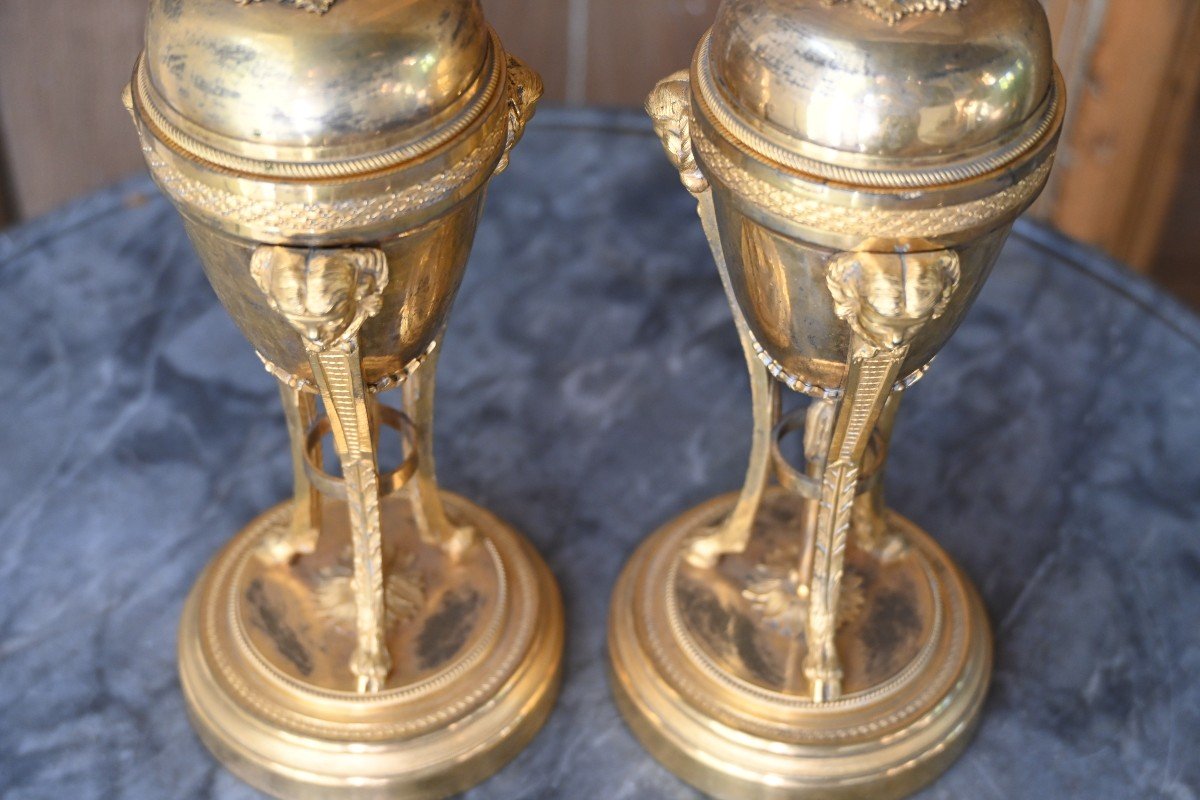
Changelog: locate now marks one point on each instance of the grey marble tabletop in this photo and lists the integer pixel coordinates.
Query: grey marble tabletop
(592, 387)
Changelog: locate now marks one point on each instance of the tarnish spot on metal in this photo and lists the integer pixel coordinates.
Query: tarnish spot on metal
(892, 623)
(316, 6)
(447, 630)
(268, 618)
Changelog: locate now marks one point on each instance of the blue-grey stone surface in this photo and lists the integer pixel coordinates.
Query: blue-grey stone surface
(591, 388)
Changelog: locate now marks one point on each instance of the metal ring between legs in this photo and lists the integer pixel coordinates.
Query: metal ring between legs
(389, 483)
(795, 480)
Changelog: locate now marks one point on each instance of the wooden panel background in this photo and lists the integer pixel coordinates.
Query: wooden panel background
(62, 66)
(633, 44)
(1132, 68)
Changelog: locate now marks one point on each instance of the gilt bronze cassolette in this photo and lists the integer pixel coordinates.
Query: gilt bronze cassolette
(858, 165)
(375, 636)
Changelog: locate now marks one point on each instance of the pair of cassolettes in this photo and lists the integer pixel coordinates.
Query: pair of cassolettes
(857, 165)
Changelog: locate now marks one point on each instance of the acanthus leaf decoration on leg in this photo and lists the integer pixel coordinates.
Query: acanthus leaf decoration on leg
(669, 108)
(885, 298)
(327, 295)
(819, 420)
(869, 525)
(867, 386)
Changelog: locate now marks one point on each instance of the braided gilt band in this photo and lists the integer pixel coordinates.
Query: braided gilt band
(319, 216)
(867, 223)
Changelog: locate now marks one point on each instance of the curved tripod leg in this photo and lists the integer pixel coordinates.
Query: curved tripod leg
(668, 106)
(734, 533)
(818, 432)
(326, 296)
(885, 298)
(300, 409)
(435, 527)
(339, 374)
(867, 387)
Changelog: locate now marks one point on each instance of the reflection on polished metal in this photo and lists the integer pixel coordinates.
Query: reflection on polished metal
(375, 636)
(858, 165)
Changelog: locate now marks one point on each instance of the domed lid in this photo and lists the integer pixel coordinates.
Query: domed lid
(855, 89)
(312, 80)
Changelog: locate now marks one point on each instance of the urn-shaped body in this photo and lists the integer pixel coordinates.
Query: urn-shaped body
(324, 125)
(782, 285)
(424, 268)
(857, 166)
(330, 160)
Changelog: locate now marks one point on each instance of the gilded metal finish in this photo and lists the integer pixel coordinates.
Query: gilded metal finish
(265, 83)
(708, 664)
(857, 165)
(830, 83)
(474, 643)
(374, 637)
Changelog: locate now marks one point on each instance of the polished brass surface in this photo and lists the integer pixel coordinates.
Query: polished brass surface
(828, 83)
(374, 637)
(474, 644)
(708, 663)
(278, 84)
(857, 165)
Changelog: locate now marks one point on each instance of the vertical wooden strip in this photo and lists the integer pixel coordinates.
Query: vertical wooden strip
(7, 213)
(577, 51)
(535, 31)
(1162, 160)
(1075, 26)
(1176, 258)
(62, 66)
(633, 43)
(1115, 122)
